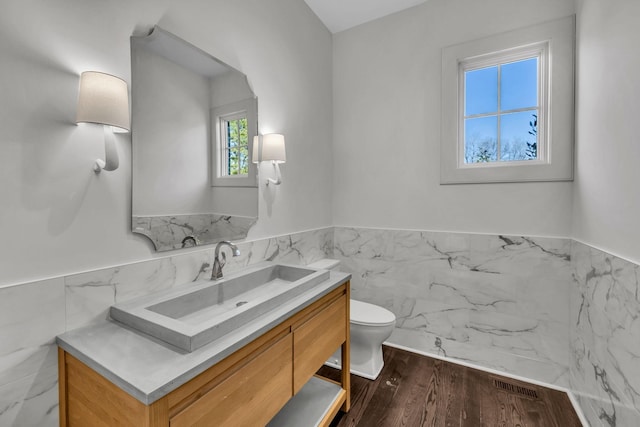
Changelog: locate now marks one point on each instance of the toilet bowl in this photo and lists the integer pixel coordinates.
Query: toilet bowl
(371, 325)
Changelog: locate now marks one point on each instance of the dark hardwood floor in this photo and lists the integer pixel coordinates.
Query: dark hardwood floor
(414, 390)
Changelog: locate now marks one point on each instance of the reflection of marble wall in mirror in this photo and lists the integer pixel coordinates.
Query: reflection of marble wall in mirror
(172, 140)
(182, 231)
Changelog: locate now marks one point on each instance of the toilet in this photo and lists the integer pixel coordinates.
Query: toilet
(371, 325)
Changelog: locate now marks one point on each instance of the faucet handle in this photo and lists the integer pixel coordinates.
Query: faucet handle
(223, 259)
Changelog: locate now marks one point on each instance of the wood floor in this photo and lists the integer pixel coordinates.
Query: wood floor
(414, 390)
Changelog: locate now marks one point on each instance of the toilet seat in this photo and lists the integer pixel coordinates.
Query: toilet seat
(365, 314)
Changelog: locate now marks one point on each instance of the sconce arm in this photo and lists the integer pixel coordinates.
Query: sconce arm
(111, 160)
(278, 179)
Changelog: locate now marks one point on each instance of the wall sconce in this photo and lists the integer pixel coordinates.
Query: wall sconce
(104, 99)
(270, 147)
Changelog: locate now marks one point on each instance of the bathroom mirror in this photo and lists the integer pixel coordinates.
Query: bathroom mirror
(193, 120)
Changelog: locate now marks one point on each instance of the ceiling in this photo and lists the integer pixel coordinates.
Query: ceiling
(339, 15)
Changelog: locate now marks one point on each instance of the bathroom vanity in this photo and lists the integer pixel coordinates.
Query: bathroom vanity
(263, 372)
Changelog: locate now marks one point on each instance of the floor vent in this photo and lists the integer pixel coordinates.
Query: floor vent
(515, 389)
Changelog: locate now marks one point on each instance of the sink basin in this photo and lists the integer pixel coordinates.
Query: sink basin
(193, 315)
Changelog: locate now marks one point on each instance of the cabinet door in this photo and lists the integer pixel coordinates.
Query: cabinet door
(249, 397)
(316, 340)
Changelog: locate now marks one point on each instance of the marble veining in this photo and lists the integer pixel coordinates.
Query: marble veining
(605, 337)
(549, 309)
(179, 231)
(89, 295)
(32, 400)
(33, 314)
(493, 300)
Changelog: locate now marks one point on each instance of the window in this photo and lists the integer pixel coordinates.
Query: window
(234, 127)
(501, 100)
(497, 96)
(234, 147)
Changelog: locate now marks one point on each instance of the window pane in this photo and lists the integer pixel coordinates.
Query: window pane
(518, 136)
(481, 91)
(236, 159)
(519, 85)
(244, 160)
(480, 139)
(232, 136)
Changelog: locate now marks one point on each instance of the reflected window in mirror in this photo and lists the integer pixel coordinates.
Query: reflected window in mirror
(234, 145)
(179, 92)
(236, 125)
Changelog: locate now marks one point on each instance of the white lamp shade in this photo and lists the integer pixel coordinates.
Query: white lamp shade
(271, 148)
(103, 99)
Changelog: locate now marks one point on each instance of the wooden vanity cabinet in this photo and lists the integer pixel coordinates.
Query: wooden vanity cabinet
(315, 339)
(250, 396)
(247, 388)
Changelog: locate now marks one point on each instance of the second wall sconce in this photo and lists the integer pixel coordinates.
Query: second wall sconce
(270, 147)
(104, 99)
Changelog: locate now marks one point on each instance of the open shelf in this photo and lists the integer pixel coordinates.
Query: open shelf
(311, 405)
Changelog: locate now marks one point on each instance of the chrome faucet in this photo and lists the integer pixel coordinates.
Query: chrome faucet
(220, 259)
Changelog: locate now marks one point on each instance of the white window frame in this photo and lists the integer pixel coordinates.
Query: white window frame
(555, 42)
(539, 51)
(248, 108)
(223, 143)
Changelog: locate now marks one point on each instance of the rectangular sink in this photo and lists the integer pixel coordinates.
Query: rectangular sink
(193, 315)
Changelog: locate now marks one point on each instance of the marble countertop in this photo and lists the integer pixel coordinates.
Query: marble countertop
(148, 369)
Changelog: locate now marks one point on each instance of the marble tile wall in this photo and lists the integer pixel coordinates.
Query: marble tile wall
(501, 302)
(552, 310)
(32, 314)
(605, 337)
(172, 232)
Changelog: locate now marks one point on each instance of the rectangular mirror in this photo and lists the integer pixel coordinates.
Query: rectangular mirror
(193, 122)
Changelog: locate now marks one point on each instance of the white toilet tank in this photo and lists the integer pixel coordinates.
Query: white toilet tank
(326, 264)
